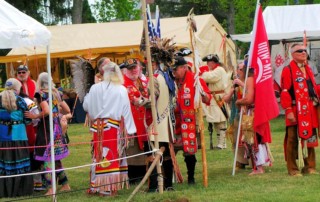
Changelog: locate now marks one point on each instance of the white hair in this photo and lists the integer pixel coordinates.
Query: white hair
(112, 73)
(42, 82)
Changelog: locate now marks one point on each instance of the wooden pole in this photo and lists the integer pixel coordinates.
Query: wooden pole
(155, 161)
(152, 96)
(199, 114)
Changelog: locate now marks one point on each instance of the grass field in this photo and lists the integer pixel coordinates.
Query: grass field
(274, 185)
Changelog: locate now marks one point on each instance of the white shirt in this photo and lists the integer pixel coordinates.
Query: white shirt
(33, 108)
(107, 100)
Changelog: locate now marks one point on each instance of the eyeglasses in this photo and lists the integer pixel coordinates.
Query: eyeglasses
(22, 72)
(300, 51)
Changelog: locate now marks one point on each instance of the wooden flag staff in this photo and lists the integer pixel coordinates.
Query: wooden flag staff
(192, 29)
(153, 109)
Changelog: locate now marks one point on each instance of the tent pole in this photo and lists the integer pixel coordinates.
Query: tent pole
(53, 166)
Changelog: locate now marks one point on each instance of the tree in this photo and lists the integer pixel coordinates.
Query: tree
(77, 11)
(123, 10)
(29, 7)
(87, 16)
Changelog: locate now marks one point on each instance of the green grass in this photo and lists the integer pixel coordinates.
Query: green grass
(274, 185)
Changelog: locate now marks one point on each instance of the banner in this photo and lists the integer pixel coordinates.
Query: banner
(266, 107)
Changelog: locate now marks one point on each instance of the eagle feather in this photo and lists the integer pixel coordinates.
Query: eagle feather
(83, 76)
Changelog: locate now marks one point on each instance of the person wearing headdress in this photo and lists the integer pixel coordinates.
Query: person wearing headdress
(107, 103)
(43, 148)
(185, 113)
(217, 81)
(13, 135)
(28, 85)
(165, 93)
(137, 88)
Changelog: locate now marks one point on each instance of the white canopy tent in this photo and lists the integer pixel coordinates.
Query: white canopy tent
(288, 22)
(20, 30)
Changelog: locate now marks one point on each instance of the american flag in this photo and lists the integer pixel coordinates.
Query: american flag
(151, 29)
(157, 28)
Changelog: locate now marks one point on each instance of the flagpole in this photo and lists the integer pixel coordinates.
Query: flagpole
(151, 81)
(245, 83)
(200, 112)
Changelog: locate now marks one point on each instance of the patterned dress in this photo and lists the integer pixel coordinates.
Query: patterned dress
(14, 161)
(43, 139)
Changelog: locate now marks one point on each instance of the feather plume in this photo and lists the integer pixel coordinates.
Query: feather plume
(162, 51)
(191, 22)
(83, 76)
(191, 25)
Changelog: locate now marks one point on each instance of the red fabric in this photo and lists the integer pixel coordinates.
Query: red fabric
(307, 119)
(31, 88)
(203, 69)
(264, 92)
(31, 133)
(286, 100)
(185, 112)
(110, 146)
(138, 112)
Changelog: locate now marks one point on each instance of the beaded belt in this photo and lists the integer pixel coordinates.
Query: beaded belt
(8, 123)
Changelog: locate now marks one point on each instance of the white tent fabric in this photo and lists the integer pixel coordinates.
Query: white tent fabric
(18, 29)
(288, 22)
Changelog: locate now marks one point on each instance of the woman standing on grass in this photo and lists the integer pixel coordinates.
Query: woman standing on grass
(250, 144)
(13, 160)
(43, 133)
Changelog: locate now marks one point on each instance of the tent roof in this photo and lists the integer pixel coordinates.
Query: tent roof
(18, 29)
(288, 22)
(122, 37)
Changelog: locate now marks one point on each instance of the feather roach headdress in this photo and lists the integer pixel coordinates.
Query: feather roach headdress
(162, 51)
(83, 76)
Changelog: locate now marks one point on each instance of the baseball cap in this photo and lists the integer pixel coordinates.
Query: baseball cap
(22, 68)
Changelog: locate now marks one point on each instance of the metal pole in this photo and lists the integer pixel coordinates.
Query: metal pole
(53, 171)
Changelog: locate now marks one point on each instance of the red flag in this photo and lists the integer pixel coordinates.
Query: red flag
(266, 107)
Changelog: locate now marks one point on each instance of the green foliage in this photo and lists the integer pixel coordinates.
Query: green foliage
(29, 7)
(60, 12)
(123, 10)
(87, 16)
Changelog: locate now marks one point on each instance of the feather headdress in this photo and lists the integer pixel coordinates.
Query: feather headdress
(162, 51)
(83, 76)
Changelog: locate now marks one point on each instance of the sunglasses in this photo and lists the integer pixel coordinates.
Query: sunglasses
(21, 72)
(300, 51)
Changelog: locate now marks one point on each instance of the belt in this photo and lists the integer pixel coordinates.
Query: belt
(104, 122)
(315, 103)
(8, 123)
(217, 92)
